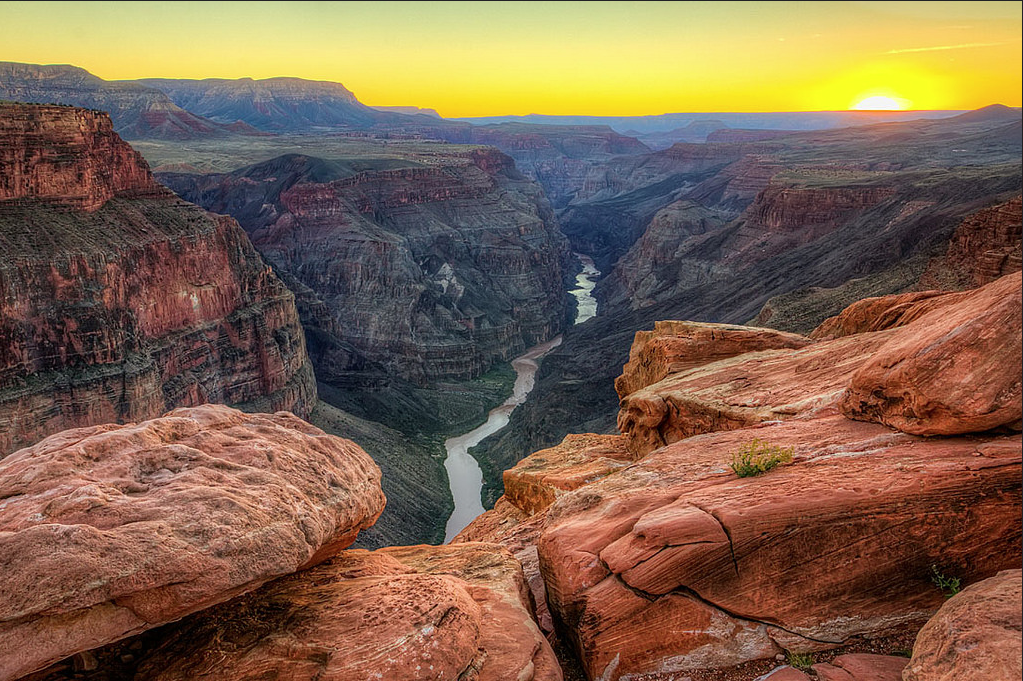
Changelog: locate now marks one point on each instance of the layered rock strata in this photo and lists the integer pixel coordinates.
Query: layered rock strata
(120, 301)
(110, 530)
(433, 269)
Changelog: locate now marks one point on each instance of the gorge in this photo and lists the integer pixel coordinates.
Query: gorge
(255, 418)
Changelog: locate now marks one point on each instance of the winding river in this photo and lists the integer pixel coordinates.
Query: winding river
(464, 472)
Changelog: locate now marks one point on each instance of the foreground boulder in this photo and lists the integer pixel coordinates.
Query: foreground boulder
(955, 370)
(110, 530)
(975, 636)
(403, 614)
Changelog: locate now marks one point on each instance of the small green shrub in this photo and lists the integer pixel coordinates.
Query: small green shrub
(757, 457)
(801, 661)
(948, 585)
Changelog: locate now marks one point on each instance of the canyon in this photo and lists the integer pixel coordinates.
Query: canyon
(846, 302)
(121, 301)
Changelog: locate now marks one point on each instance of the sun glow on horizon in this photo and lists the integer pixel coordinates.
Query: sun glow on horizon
(881, 103)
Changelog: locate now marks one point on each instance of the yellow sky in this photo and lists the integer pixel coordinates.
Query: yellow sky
(602, 58)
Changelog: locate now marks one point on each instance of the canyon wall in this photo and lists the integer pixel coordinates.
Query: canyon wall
(120, 300)
(432, 269)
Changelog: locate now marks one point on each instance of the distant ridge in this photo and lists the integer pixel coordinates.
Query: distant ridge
(283, 104)
(137, 110)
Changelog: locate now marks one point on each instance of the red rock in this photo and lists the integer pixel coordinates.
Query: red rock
(530, 487)
(862, 667)
(402, 614)
(876, 314)
(785, 673)
(673, 347)
(955, 370)
(135, 306)
(69, 156)
(985, 247)
(975, 636)
(539, 479)
(744, 390)
(675, 564)
(111, 530)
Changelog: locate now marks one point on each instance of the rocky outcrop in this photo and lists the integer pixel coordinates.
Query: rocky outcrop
(137, 111)
(983, 248)
(111, 530)
(676, 564)
(435, 268)
(71, 157)
(399, 614)
(675, 346)
(955, 370)
(744, 390)
(671, 565)
(975, 636)
(120, 301)
(875, 314)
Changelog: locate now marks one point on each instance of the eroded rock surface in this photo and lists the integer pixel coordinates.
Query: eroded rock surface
(975, 636)
(676, 564)
(110, 530)
(956, 370)
(401, 614)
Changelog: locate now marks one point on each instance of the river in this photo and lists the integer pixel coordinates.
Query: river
(464, 474)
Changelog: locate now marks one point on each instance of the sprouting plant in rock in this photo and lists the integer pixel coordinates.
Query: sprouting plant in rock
(757, 457)
(948, 585)
(801, 661)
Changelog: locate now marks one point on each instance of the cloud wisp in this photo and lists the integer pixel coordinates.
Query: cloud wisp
(938, 48)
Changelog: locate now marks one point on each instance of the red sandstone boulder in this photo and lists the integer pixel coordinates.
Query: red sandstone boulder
(675, 564)
(676, 346)
(111, 530)
(530, 487)
(401, 614)
(744, 390)
(954, 370)
(975, 636)
(876, 314)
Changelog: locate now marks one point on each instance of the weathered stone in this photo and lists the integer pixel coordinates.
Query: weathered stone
(675, 564)
(975, 636)
(955, 370)
(111, 530)
(876, 314)
(862, 667)
(402, 614)
(673, 347)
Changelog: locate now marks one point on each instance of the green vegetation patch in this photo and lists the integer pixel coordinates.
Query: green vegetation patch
(757, 457)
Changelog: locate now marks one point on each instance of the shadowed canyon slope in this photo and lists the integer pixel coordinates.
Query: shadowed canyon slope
(787, 231)
(122, 301)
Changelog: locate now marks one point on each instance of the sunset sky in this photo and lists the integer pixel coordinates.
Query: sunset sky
(602, 58)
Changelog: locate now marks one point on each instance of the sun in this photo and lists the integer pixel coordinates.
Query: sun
(880, 103)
